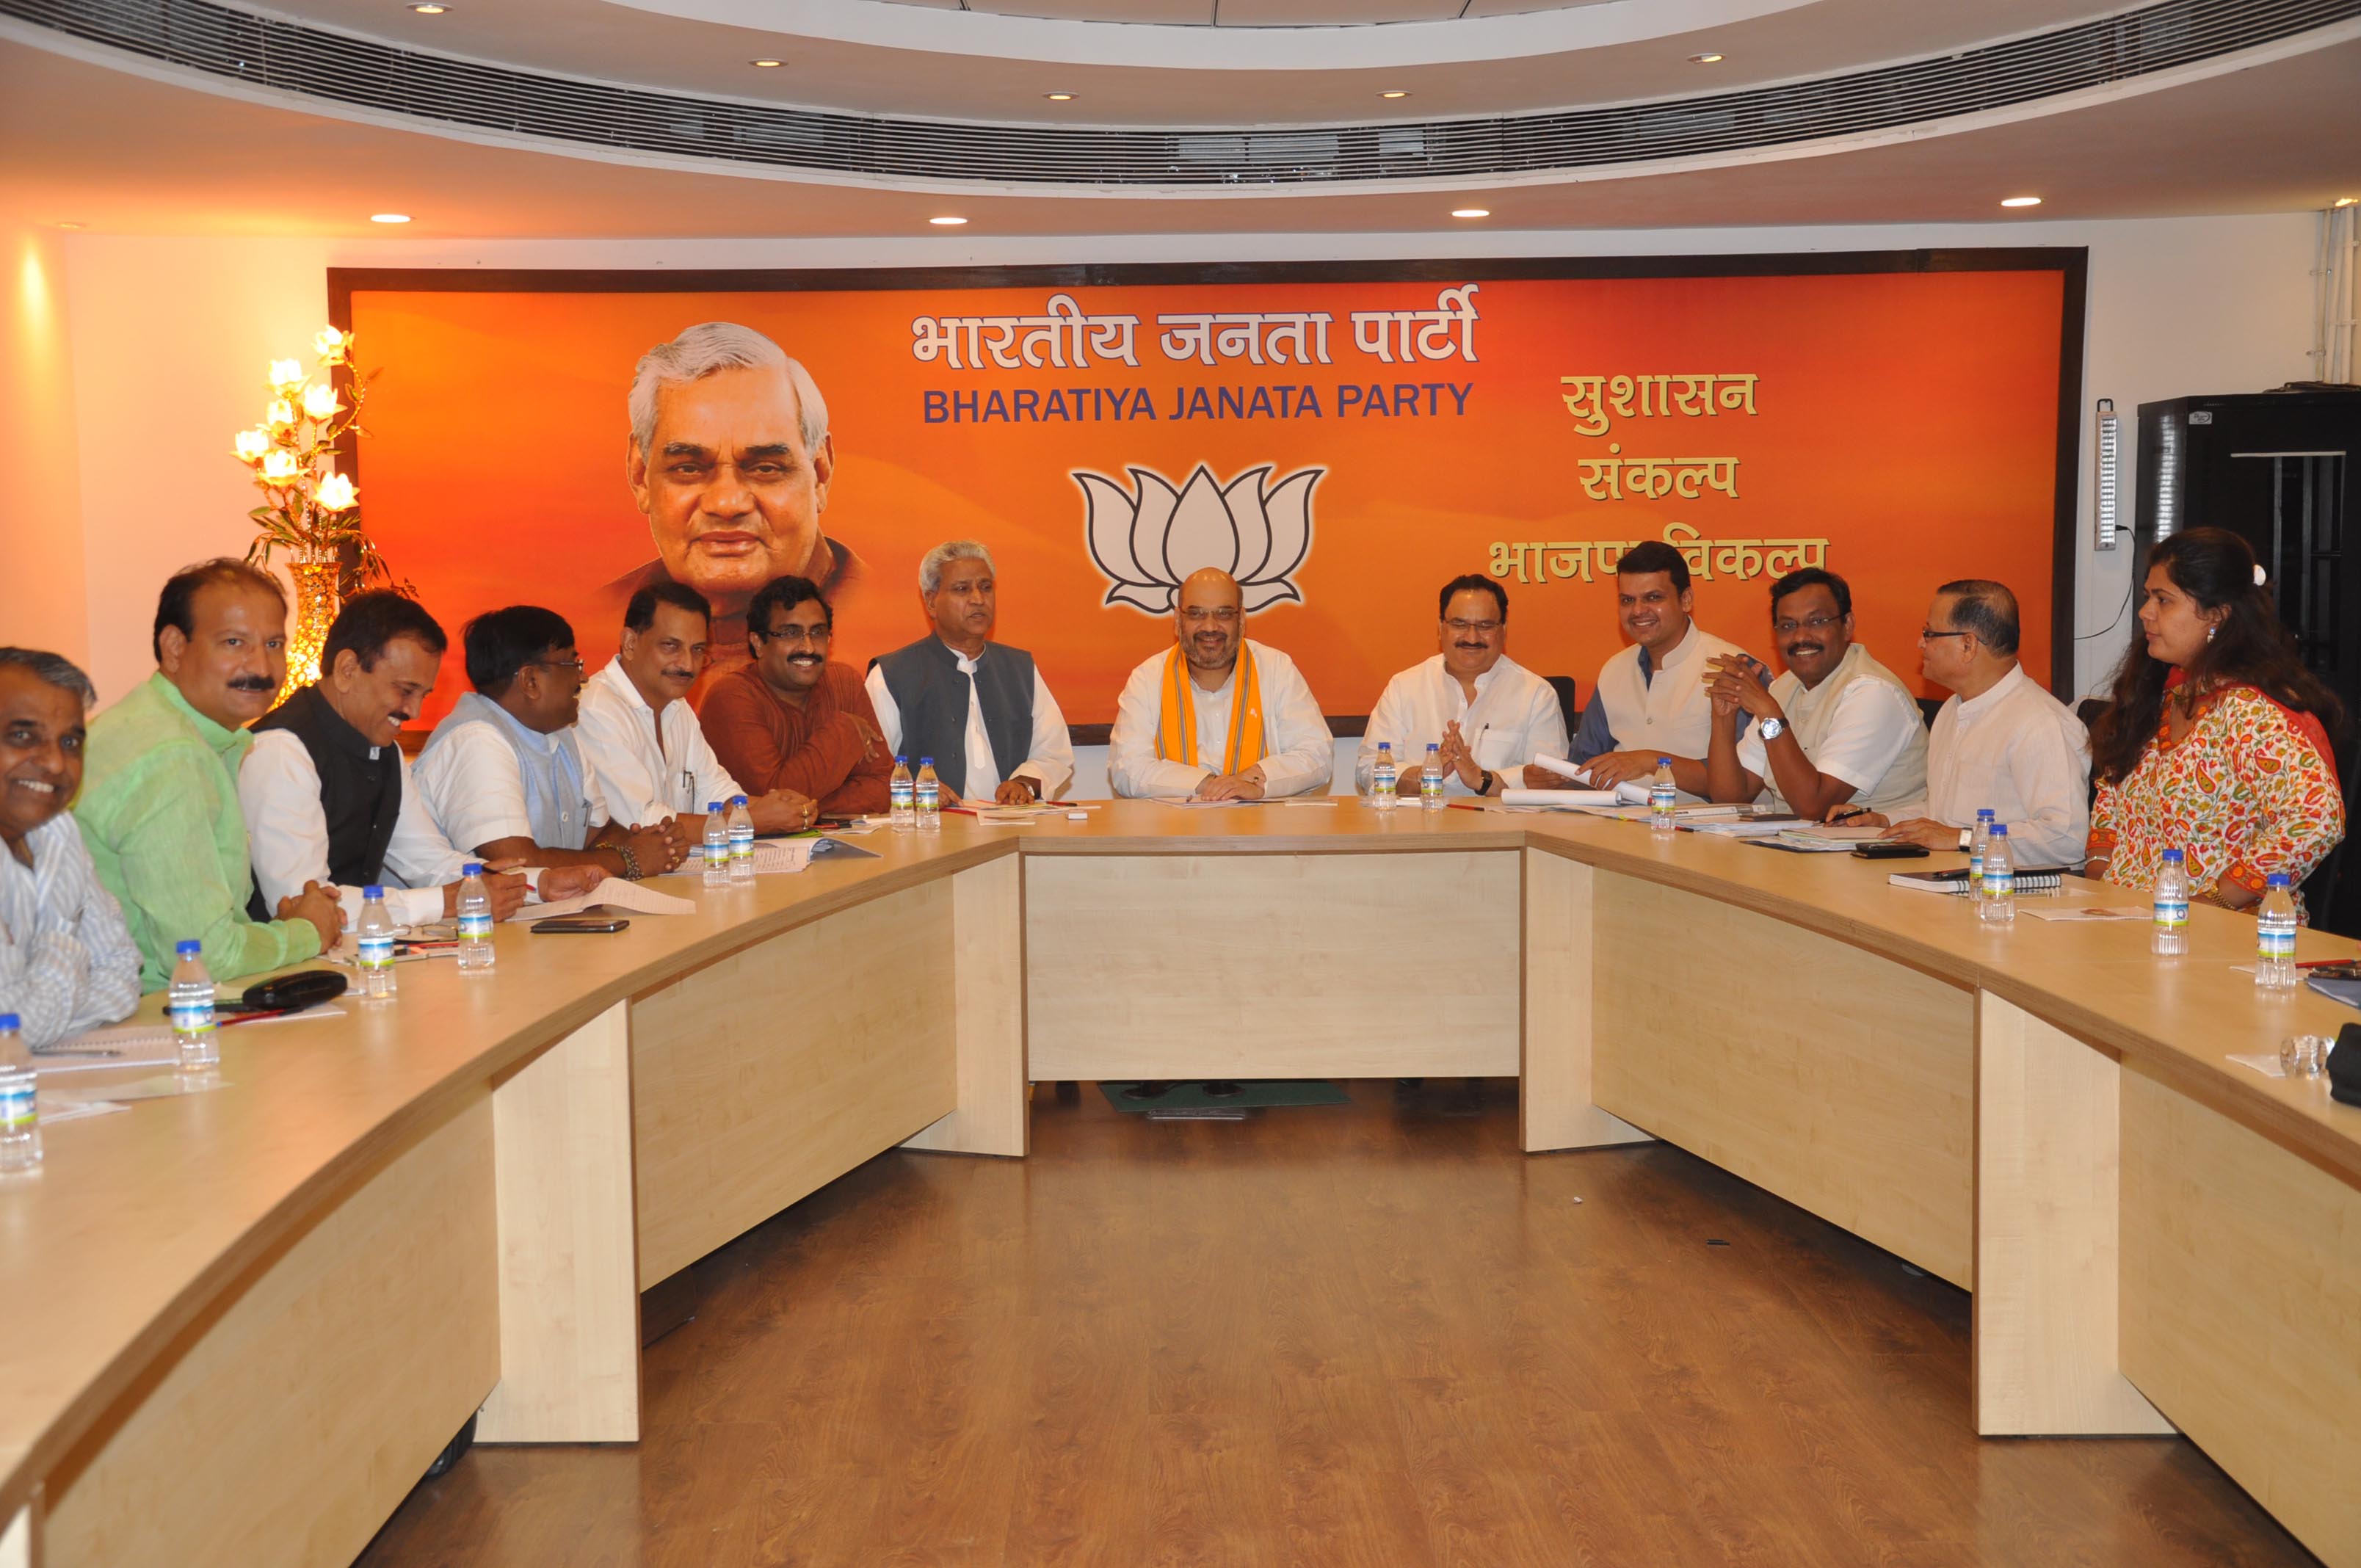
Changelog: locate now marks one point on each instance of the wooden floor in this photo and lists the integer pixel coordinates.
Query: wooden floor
(1373, 1334)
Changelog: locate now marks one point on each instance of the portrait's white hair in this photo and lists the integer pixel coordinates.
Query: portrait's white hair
(712, 346)
(931, 567)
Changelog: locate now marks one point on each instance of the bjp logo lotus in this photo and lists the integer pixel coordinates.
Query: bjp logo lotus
(1149, 543)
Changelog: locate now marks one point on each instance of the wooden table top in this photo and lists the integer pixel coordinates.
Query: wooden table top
(137, 1223)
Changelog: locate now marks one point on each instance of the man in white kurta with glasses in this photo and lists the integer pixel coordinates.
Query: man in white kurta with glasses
(1488, 715)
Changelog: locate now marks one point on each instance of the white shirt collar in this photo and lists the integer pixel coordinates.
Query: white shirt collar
(1976, 707)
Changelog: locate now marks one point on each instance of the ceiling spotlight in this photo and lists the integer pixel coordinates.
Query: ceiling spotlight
(1471, 212)
(1395, 92)
(766, 64)
(2344, 200)
(428, 8)
(2020, 200)
(1704, 59)
(946, 223)
(388, 218)
(70, 225)
(1059, 97)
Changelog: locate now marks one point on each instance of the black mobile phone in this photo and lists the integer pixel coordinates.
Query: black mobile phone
(1889, 849)
(577, 925)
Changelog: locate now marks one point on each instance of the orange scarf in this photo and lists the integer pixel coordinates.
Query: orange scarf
(1176, 726)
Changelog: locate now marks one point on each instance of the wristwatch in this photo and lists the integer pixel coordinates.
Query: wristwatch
(1773, 728)
(1967, 839)
(1484, 781)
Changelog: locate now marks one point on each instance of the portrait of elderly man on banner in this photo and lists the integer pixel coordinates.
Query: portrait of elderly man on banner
(731, 461)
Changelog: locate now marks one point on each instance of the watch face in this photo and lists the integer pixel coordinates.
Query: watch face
(1773, 728)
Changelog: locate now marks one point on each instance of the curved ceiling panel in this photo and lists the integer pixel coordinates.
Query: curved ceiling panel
(275, 55)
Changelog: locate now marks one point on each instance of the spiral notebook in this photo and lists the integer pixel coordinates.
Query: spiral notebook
(2033, 879)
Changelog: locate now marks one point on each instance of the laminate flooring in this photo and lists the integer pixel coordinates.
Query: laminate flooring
(1367, 1334)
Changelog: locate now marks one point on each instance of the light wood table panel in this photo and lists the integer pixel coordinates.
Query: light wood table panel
(1837, 1079)
(1272, 966)
(284, 1428)
(1554, 1102)
(2241, 1310)
(764, 1076)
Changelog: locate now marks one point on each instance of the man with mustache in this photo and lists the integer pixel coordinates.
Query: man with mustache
(795, 718)
(1839, 728)
(67, 961)
(1217, 716)
(731, 461)
(1489, 715)
(327, 794)
(502, 774)
(979, 709)
(1651, 700)
(640, 738)
(159, 808)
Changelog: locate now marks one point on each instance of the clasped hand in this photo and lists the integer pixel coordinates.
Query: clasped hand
(1244, 785)
(1734, 682)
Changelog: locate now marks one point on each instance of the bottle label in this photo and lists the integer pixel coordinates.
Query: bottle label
(475, 927)
(741, 844)
(192, 1017)
(377, 952)
(2172, 914)
(19, 1110)
(2271, 944)
(930, 797)
(1999, 885)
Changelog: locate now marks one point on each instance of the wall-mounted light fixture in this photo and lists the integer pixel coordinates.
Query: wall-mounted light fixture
(2106, 490)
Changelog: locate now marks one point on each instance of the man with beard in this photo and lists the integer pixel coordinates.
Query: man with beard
(1217, 716)
(1489, 715)
(159, 810)
(1634, 716)
(731, 461)
(795, 718)
(1839, 728)
(639, 738)
(327, 795)
(67, 964)
(979, 709)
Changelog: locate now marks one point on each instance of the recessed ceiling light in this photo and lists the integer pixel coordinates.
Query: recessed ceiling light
(78, 226)
(428, 8)
(766, 64)
(2020, 200)
(1393, 92)
(1059, 97)
(1471, 212)
(1707, 59)
(946, 223)
(2344, 200)
(388, 218)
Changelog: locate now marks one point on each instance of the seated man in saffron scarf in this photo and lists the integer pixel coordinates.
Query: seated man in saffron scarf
(1217, 716)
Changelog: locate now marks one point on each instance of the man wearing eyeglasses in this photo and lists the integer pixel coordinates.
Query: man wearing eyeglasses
(502, 774)
(1838, 729)
(1489, 715)
(1217, 716)
(2000, 740)
(794, 718)
(980, 708)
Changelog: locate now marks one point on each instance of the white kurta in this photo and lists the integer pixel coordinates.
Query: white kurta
(1874, 739)
(286, 833)
(1514, 718)
(473, 789)
(641, 782)
(1299, 752)
(1050, 755)
(2020, 751)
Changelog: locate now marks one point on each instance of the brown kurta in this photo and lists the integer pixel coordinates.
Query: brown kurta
(813, 749)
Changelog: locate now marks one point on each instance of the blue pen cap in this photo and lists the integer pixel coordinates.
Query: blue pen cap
(189, 947)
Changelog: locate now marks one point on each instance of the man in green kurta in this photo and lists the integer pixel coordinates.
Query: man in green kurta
(160, 809)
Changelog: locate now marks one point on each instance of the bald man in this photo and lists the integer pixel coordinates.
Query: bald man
(1217, 716)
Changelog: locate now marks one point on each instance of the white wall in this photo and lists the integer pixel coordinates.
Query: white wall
(42, 593)
(167, 338)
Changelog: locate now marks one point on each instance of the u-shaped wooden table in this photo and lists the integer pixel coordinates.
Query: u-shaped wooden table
(241, 1322)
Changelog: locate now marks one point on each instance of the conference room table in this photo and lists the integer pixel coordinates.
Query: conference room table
(241, 1322)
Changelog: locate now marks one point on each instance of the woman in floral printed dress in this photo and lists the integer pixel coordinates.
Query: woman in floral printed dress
(2218, 741)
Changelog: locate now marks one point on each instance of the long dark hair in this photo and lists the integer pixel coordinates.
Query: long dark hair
(2216, 569)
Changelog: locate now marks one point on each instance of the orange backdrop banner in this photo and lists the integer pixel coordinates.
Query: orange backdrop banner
(1345, 444)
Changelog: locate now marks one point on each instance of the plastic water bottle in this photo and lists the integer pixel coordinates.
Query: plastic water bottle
(742, 839)
(1430, 780)
(476, 953)
(2170, 937)
(2275, 936)
(1662, 795)
(1976, 842)
(21, 1111)
(1999, 879)
(375, 935)
(929, 793)
(903, 796)
(1383, 779)
(717, 845)
(190, 1005)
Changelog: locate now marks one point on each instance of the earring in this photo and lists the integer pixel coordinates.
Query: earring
(2210, 632)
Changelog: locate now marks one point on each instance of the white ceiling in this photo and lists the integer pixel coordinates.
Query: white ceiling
(121, 153)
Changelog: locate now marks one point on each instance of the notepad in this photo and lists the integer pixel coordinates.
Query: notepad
(2036, 879)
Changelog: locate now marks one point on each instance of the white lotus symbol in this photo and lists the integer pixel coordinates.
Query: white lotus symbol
(1147, 544)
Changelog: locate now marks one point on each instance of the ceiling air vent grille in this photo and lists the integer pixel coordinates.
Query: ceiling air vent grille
(314, 62)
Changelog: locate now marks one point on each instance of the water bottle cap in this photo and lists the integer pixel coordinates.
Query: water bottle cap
(1664, 761)
(1433, 746)
(2173, 855)
(2000, 829)
(10, 1021)
(712, 807)
(2277, 878)
(737, 800)
(372, 894)
(904, 760)
(473, 868)
(1986, 814)
(185, 949)
(926, 762)
(1385, 745)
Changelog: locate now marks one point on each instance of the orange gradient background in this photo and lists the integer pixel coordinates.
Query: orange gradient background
(1910, 418)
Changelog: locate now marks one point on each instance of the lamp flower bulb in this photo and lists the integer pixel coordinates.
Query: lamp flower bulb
(330, 344)
(281, 414)
(279, 466)
(286, 373)
(337, 493)
(320, 400)
(251, 444)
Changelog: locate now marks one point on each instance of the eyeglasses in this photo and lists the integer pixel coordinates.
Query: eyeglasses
(575, 663)
(820, 633)
(1198, 616)
(1480, 627)
(1927, 634)
(1817, 623)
